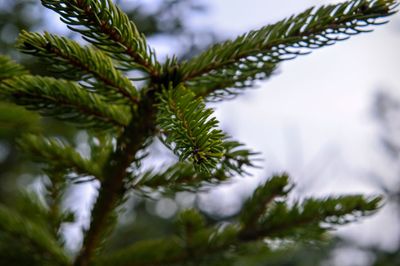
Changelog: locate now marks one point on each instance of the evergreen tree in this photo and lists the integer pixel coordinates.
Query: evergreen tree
(117, 90)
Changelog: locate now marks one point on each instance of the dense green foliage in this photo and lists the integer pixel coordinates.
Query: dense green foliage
(95, 88)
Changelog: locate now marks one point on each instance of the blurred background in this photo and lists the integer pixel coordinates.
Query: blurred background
(330, 119)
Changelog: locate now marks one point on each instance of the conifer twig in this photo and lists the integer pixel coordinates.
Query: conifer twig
(67, 56)
(108, 28)
(64, 100)
(220, 240)
(34, 234)
(255, 54)
(10, 69)
(59, 155)
(190, 130)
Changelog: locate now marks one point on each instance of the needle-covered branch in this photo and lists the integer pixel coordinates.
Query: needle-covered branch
(59, 155)
(178, 177)
(236, 160)
(10, 69)
(55, 186)
(254, 55)
(64, 100)
(35, 235)
(72, 61)
(210, 243)
(255, 207)
(188, 128)
(311, 218)
(107, 27)
(204, 243)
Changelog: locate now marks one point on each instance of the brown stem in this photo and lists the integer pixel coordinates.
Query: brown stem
(112, 188)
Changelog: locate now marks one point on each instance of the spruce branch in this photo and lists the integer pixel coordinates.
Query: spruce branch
(15, 118)
(59, 155)
(188, 128)
(282, 221)
(10, 69)
(312, 218)
(64, 100)
(56, 186)
(72, 61)
(108, 28)
(32, 234)
(30, 206)
(183, 176)
(172, 250)
(145, 253)
(254, 55)
(191, 222)
(178, 177)
(255, 207)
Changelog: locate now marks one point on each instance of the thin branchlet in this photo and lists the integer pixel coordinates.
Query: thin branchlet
(104, 25)
(254, 55)
(72, 61)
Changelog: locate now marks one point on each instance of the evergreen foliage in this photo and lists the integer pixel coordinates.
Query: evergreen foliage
(108, 28)
(54, 150)
(96, 91)
(226, 68)
(10, 69)
(165, 20)
(186, 122)
(65, 100)
(96, 69)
